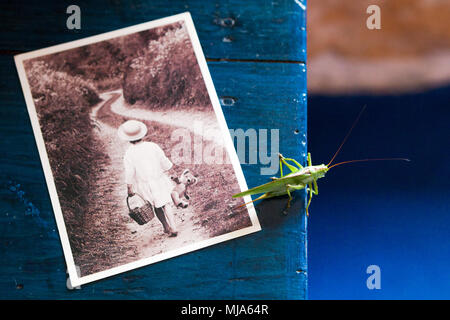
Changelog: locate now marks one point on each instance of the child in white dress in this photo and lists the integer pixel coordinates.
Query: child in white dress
(146, 168)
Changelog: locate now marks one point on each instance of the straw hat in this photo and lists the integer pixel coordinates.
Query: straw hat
(132, 130)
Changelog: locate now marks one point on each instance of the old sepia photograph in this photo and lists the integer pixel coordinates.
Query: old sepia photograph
(137, 156)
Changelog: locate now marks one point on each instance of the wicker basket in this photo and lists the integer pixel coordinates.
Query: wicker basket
(142, 214)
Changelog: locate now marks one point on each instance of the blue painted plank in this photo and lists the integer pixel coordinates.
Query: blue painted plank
(233, 29)
(270, 264)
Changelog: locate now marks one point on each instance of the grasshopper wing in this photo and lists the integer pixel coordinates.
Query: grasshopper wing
(276, 185)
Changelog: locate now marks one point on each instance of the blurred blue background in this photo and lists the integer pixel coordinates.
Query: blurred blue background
(392, 214)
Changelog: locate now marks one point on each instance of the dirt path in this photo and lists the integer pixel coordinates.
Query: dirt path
(149, 239)
(174, 118)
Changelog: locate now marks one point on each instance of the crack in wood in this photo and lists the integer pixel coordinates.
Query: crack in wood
(254, 60)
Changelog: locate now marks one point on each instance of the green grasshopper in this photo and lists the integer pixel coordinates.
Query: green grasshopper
(301, 177)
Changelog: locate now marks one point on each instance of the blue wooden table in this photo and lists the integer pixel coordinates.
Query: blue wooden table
(256, 52)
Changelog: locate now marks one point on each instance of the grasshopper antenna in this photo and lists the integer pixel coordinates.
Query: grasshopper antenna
(367, 160)
(348, 134)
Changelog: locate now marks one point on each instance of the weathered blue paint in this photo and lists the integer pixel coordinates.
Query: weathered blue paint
(269, 264)
(234, 29)
(30, 209)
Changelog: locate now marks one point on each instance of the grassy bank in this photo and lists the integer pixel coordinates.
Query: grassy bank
(63, 103)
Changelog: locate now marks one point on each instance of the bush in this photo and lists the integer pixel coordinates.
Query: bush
(166, 74)
(63, 106)
(102, 63)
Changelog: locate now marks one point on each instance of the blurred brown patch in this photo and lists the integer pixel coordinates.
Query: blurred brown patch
(410, 52)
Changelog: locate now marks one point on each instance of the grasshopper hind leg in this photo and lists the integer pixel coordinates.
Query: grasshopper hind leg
(281, 166)
(299, 166)
(292, 168)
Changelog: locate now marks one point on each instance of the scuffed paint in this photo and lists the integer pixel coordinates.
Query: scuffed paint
(30, 209)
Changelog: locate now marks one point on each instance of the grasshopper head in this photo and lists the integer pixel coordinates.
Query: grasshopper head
(319, 171)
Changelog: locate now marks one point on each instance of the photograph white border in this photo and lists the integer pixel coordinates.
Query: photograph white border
(186, 17)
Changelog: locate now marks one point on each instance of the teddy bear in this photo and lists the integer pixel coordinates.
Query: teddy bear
(179, 193)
